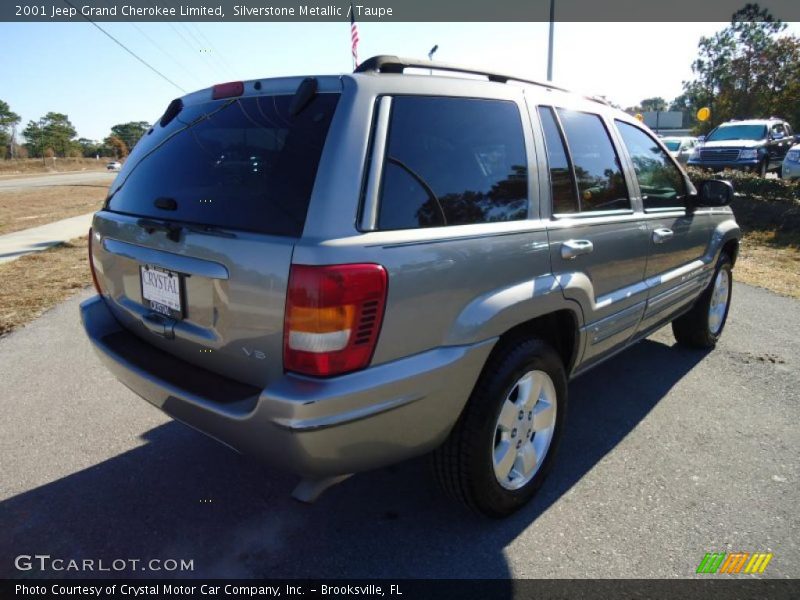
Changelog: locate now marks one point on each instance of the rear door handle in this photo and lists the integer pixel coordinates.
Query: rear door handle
(572, 249)
(662, 234)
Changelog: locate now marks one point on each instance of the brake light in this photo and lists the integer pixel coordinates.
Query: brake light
(333, 317)
(91, 264)
(227, 90)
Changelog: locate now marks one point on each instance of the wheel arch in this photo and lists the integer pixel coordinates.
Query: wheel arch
(559, 328)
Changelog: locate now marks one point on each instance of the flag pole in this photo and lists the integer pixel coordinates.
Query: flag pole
(353, 36)
(550, 43)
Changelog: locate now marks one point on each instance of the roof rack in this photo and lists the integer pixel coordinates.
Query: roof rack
(394, 64)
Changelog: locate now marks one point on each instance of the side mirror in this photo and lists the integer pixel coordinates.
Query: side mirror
(701, 138)
(714, 192)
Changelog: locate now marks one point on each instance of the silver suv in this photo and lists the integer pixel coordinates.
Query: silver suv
(336, 273)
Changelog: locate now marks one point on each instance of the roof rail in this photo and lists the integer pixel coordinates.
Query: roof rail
(394, 64)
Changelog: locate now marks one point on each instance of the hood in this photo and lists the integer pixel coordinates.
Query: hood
(733, 144)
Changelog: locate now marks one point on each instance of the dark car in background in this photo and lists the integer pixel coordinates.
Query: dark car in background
(757, 145)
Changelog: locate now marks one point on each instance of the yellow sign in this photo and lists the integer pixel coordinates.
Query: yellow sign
(703, 114)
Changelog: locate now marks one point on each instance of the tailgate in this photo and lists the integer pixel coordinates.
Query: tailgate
(193, 248)
(232, 291)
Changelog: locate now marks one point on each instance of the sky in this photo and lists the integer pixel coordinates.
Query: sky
(74, 68)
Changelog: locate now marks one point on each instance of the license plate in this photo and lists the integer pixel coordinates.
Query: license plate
(161, 291)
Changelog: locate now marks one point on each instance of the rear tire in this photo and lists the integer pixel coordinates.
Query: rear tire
(502, 447)
(702, 326)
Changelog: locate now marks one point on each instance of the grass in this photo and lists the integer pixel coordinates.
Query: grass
(38, 206)
(48, 277)
(767, 260)
(50, 165)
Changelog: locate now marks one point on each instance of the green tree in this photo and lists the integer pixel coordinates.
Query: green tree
(747, 70)
(90, 148)
(53, 131)
(130, 132)
(35, 138)
(653, 104)
(8, 123)
(59, 132)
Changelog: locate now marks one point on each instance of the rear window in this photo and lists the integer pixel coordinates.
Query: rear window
(244, 163)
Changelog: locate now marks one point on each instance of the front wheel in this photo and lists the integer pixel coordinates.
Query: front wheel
(502, 447)
(762, 168)
(703, 324)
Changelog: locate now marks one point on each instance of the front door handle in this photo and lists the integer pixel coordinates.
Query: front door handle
(572, 249)
(662, 234)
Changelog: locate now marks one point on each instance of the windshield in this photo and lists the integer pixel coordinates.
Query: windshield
(738, 132)
(672, 145)
(243, 163)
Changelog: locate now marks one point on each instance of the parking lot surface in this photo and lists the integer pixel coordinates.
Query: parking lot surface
(668, 454)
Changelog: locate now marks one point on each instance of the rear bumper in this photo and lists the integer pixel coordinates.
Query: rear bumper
(312, 427)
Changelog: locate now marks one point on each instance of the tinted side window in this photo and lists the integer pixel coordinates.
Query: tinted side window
(601, 185)
(562, 186)
(453, 161)
(660, 181)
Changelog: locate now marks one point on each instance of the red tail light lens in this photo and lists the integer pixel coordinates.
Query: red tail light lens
(91, 264)
(227, 90)
(333, 318)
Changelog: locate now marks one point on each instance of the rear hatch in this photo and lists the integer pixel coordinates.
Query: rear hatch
(193, 248)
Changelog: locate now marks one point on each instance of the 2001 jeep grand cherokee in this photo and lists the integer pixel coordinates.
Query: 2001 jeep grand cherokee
(340, 272)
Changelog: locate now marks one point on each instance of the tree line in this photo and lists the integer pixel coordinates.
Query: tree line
(746, 70)
(54, 135)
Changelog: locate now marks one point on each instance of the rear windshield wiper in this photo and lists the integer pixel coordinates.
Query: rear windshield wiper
(173, 230)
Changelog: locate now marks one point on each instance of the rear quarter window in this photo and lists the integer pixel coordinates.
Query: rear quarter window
(245, 163)
(453, 161)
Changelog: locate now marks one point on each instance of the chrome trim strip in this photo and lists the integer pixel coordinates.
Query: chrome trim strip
(685, 272)
(187, 330)
(615, 324)
(369, 218)
(672, 297)
(174, 262)
(585, 215)
(639, 287)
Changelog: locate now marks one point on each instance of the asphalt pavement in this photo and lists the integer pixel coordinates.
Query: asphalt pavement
(16, 184)
(668, 454)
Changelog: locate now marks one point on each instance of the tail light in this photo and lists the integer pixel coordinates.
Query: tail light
(333, 318)
(91, 264)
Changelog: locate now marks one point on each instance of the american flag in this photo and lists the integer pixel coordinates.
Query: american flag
(353, 35)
